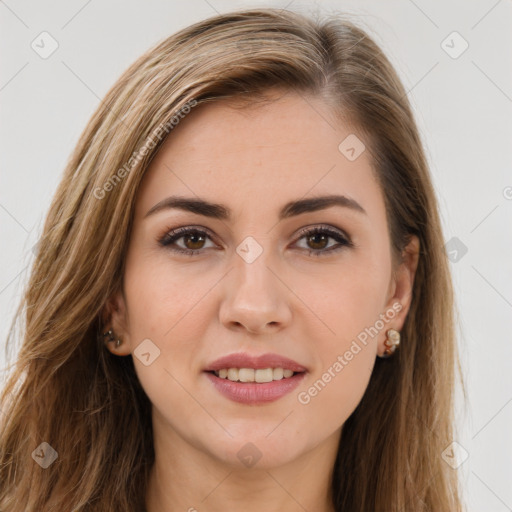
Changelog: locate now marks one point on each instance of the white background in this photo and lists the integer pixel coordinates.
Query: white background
(463, 107)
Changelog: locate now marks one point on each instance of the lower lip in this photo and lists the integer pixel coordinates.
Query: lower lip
(255, 393)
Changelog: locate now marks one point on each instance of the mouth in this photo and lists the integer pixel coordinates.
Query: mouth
(250, 379)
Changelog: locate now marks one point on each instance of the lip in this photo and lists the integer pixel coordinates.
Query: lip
(254, 393)
(243, 360)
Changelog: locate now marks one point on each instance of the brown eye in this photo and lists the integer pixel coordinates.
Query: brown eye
(193, 240)
(317, 240)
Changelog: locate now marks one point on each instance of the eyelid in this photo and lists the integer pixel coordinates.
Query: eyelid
(325, 227)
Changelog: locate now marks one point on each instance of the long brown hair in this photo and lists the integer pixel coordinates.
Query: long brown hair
(67, 390)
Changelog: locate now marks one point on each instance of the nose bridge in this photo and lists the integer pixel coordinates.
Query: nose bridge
(254, 296)
(251, 273)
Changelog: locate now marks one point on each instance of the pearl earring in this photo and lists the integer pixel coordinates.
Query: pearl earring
(391, 343)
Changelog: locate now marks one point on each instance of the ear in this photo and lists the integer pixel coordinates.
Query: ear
(401, 288)
(114, 316)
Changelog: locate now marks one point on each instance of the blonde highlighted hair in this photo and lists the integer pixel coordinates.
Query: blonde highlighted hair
(66, 389)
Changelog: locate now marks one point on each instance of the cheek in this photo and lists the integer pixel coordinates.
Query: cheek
(161, 298)
(347, 298)
(349, 303)
(169, 308)
(165, 307)
(345, 364)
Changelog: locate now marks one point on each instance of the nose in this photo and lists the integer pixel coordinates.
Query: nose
(255, 298)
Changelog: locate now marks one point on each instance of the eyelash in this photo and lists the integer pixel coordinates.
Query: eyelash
(171, 236)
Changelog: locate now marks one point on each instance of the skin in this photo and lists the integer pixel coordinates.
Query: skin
(306, 307)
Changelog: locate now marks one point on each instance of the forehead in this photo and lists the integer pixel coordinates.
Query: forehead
(260, 157)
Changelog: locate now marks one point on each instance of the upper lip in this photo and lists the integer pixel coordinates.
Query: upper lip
(242, 360)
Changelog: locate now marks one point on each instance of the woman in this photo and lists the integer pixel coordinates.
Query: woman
(248, 215)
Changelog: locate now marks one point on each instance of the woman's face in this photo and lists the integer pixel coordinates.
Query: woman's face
(253, 280)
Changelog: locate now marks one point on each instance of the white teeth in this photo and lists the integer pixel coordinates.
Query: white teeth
(246, 375)
(252, 375)
(278, 374)
(266, 375)
(233, 373)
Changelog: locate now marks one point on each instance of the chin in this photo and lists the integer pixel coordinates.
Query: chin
(251, 452)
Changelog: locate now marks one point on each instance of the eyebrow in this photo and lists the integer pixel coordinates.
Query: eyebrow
(218, 211)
